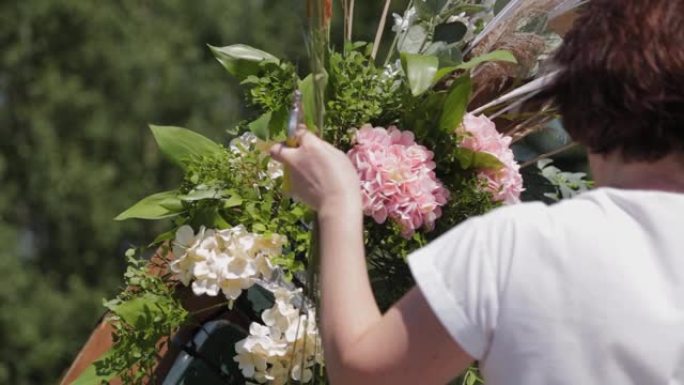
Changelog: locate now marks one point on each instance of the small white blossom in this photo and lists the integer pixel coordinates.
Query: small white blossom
(403, 23)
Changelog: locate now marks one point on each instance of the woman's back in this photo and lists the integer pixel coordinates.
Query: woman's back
(590, 290)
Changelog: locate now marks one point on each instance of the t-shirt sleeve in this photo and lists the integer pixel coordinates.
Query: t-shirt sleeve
(462, 273)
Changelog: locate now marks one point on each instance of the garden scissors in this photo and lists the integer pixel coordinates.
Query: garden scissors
(294, 120)
(292, 127)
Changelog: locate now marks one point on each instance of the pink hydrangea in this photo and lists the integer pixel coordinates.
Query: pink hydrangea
(480, 135)
(397, 178)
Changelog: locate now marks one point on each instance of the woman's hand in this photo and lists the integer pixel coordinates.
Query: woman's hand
(322, 176)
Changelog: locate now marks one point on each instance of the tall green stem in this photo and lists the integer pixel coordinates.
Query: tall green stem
(381, 29)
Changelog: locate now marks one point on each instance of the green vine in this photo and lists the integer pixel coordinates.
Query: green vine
(142, 316)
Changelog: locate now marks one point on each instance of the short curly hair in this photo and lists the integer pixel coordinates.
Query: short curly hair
(620, 85)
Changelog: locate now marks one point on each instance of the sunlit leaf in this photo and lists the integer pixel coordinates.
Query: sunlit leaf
(420, 71)
(180, 144)
(234, 201)
(156, 206)
(306, 87)
(242, 60)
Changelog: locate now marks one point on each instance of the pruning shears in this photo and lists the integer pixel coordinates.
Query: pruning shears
(293, 122)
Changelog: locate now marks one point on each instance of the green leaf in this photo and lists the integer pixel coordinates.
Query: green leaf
(234, 201)
(412, 40)
(449, 55)
(259, 127)
(472, 159)
(498, 55)
(242, 60)
(156, 206)
(429, 8)
(420, 71)
(306, 87)
(180, 144)
(277, 126)
(455, 104)
(90, 377)
(450, 32)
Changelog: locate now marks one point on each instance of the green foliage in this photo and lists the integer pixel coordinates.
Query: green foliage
(242, 192)
(44, 318)
(358, 93)
(141, 315)
(271, 89)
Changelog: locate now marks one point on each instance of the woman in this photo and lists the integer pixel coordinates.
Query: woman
(586, 291)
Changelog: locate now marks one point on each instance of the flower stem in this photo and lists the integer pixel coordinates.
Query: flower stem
(381, 28)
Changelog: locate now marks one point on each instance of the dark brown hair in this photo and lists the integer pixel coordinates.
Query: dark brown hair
(621, 80)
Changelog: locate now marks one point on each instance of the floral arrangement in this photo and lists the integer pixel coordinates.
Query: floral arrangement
(429, 131)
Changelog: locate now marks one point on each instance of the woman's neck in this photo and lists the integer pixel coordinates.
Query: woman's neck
(666, 174)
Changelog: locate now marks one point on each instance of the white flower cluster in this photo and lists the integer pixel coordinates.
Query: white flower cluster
(287, 345)
(228, 260)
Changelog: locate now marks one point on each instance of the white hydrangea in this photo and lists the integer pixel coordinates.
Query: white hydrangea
(227, 261)
(287, 345)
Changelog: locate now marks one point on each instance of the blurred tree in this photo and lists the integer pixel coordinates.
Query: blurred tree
(79, 80)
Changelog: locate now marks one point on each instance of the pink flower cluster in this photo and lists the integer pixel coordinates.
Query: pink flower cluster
(480, 135)
(397, 178)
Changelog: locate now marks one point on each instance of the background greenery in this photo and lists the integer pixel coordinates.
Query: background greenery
(79, 81)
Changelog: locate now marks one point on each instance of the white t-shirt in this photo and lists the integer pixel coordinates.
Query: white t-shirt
(586, 291)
